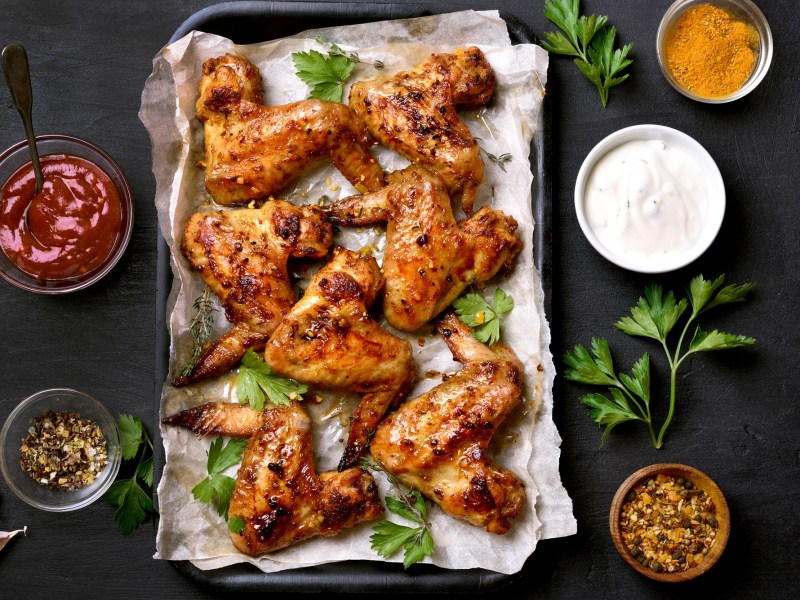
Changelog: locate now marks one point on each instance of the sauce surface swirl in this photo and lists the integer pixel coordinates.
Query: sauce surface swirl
(72, 223)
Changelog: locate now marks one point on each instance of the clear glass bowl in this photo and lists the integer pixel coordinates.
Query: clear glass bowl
(17, 156)
(15, 431)
(744, 9)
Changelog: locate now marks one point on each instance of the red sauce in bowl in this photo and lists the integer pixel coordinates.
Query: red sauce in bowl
(72, 223)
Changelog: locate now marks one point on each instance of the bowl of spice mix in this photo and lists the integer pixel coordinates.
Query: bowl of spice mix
(714, 51)
(670, 522)
(59, 450)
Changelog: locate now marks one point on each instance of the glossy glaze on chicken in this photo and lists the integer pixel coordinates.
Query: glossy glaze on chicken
(415, 113)
(253, 151)
(429, 258)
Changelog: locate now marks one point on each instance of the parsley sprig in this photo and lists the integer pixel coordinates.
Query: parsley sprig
(217, 487)
(327, 74)
(654, 317)
(475, 311)
(256, 382)
(134, 504)
(388, 537)
(590, 41)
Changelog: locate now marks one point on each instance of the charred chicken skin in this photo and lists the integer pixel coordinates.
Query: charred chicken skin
(329, 340)
(278, 494)
(253, 151)
(430, 258)
(242, 255)
(415, 113)
(436, 443)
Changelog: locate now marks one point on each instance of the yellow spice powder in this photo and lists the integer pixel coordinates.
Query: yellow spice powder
(710, 52)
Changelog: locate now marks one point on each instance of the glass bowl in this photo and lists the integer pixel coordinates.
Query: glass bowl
(17, 156)
(15, 431)
(700, 481)
(743, 9)
(714, 213)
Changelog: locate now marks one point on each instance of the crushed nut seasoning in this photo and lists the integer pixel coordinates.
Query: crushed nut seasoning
(63, 450)
(668, 524)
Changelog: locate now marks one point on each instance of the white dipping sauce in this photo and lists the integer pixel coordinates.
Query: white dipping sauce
(646, 200)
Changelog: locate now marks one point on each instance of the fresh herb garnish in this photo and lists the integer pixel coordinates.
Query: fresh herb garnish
(653, 317)
(475, 311)
(335, 50)
(200, 328)
(256, 382)
(388, 537)
(217, 488)
(590, 41)
(327, 74)
(127, 494)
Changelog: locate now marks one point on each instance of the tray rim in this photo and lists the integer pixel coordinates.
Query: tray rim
(380, 576)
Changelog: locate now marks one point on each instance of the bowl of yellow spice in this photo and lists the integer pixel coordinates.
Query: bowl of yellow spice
(714, 51)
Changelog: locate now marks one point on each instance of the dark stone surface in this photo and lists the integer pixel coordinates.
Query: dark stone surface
(737, 418)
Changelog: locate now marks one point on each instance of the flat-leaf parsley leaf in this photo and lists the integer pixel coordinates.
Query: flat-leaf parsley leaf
(475, 311)
(134, 504)
(256, 381)
(217, 488)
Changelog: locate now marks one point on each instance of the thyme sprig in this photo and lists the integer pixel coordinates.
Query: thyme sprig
(200, 327)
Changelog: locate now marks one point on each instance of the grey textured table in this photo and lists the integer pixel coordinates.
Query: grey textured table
(737, 421)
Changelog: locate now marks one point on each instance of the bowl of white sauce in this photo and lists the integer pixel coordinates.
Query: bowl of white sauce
(650, 198)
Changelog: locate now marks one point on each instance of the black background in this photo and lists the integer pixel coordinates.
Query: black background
(737, 418)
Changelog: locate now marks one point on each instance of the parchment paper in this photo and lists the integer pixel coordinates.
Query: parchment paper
(528, 443)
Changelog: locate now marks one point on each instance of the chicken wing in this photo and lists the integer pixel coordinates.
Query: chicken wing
(415, 114)
(253, 151)
(429, 259)
(436, 443)
(242, 255)
(329, 340)
(278, 495)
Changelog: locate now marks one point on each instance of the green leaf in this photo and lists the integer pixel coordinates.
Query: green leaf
(236, 525)
(730, 294)
(398, 507)
(701, 291)
(220, 457)
(558, 44)
(419, 504)
(704, 341)
(326, 75)
(475, 311)
(654, 316)
(145, 471)
(588, 27)
(585, 369)
(639, 383)
(256, 381)
(607, 413)
(204, 491)
(131, 435)
(414, 551)
(134, 504)
(389, 537)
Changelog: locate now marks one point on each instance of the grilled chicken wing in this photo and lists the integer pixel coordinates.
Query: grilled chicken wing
(242, 256)
(253, 151)
(436, 443)
(429, 259)
(278, 494)
(329, 340)
(415, 114)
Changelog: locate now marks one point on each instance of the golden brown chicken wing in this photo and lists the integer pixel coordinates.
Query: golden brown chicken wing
(242, 255)
(429, 259)
(436, 443)
(415, 113)
(253, 151)
(329, 340)
(278, 494)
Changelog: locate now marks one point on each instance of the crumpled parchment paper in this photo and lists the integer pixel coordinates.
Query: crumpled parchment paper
(528, 443)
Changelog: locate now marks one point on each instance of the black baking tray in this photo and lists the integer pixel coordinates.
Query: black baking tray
(256, 21)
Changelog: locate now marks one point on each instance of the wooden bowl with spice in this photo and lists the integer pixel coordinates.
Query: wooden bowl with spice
(714, 51)
(59, 450)
(670, 522)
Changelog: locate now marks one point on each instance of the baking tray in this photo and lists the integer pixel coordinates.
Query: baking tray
(256, 21)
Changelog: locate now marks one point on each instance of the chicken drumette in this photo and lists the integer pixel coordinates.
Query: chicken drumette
(436, 443)
(429, 259)
(329, 340)
(278, 495)
(253, 151)
(242, 256)
(415, 113)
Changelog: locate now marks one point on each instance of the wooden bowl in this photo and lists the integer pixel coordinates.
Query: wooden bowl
(701, 481)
